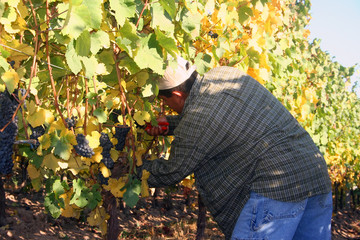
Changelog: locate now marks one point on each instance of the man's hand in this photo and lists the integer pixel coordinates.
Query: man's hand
(161, 129)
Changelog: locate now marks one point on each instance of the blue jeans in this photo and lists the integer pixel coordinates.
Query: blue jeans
(263, 218)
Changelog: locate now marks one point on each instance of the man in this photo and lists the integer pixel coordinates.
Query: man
(257, 170)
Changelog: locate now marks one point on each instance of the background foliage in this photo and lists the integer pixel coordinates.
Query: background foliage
(97, 61)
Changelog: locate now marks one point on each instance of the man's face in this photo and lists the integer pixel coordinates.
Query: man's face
(176, 101)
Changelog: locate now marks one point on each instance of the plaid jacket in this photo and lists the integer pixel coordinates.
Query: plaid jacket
(236, 137)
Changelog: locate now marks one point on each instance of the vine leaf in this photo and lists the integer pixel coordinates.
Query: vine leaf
(73, 60)
(159, 20)
(101, 115)
(123, 9)
(62, 147)
(116, 186)
(131, 196)
(11, 80)
(141, 116)
(153, 59)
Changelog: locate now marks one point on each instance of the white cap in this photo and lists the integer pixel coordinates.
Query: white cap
(176, 73)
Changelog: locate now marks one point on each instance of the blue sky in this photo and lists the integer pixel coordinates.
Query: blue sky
(337, 24)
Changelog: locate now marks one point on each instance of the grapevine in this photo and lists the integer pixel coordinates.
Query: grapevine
(87, 74)
(8, 106)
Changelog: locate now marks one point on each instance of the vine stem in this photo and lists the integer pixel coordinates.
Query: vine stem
(49, 66)
(86, 106)
(142, 11)
(68, 97)
(124, 104)
(32, 74)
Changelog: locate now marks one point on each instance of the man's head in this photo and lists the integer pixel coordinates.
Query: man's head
(176, 84)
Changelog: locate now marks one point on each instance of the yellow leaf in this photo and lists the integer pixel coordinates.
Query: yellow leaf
(45, 141)
(2, 87)
(63, 164)
(40, 116)
(255, 73)
(144, 184)
(57, 125)
(50, 161)
(115, 186)
(92, 125)
(11, 80)
(141, 116)
(76, 165)
(31, 107)
(93, 139)
(139, 152)
(20, 56)
(37, 184)
(97, 157)
(69, 211)
(105, 171)
(98, 217)
(188, 182)
(114, 154)
(33, 172)
(305, 111)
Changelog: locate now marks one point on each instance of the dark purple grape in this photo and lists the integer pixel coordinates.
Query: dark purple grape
(71, 122)
(36, 132)
(82, 148)
(8, 105)
(120, 135)
(105, 142)
(101, 179)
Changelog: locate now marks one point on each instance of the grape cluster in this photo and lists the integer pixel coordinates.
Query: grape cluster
(71, 122)
(106, 144)
(36, 132)
(8, 105)
(120, 135)
(102, 179)
(82, 148)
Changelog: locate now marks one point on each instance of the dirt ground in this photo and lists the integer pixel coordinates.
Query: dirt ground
(153, 218)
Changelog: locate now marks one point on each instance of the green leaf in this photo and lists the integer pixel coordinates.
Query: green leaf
(77, 21)
(123, 9)
(58, 188)
(4, 64)
(101, 115)
(82, 44)
(159, 20)
(61, 147)
(129, 64)
(34, 159)
(166, 42)
(72, 59)
(98, 40)
(128, 40)
(95, 12)
(191, 23)
(202, 62)
(94, 197)
(148, 57)
(90, 64)
(169, 6)
(80, 193)
(244, 13)
(51, 205)
(131, 196)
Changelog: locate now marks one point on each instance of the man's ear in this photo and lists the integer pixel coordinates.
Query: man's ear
(178, 93)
